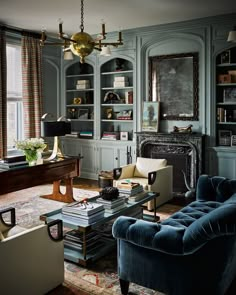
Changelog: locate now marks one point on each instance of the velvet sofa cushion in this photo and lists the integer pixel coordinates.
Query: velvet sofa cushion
(146, 165)
(167, 236)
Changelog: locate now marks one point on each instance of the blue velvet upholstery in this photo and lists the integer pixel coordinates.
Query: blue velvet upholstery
(193, 252)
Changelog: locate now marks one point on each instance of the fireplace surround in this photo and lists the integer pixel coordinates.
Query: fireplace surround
(184, 151)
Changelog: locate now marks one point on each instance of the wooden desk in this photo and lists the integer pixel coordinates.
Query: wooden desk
(56, 171)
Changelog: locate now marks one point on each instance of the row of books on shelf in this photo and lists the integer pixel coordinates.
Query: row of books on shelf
(13, 162)
(226, 115)
(110, 135)
(81, 134)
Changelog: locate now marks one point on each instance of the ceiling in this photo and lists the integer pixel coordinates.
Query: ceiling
(118, 14)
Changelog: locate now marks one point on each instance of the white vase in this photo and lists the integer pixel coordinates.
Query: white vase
(39, 157)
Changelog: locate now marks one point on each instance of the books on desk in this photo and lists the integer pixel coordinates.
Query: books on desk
(12, 165)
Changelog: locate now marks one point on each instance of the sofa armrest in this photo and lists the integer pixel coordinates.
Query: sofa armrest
(123, 172)
(155, 236)
(219, 222)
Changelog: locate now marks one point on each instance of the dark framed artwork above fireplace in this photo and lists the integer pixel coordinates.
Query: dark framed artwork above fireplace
(173, 81)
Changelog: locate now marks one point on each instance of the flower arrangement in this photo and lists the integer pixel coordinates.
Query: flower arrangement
(30, 148)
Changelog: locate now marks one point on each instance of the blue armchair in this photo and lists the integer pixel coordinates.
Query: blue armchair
(193, 252)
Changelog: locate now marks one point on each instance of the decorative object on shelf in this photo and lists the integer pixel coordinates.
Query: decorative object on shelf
(72, 113)
(225, 57)
(124, 115)
(226, 78)
(233, 140)
(111, 97)
(232, 35)
(123, 135)
(119, 64)
(54, 128)
(109, 113)
(77, 100)
(173, 81)
(151, 116)
(187, 129)
(32, 149)
(81, 43)
(225, 137)
(229, 94)
(233, 76)
(83, 114)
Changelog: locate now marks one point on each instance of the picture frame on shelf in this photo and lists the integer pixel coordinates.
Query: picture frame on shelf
(83, 114)
(233, 140)
(225, 57)
(225, 137)
(229, 95)
(123, 135)
(151, 116)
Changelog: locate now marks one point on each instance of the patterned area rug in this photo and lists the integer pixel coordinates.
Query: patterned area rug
(101, 277)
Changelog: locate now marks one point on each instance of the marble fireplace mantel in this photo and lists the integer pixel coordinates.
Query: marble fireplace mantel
(182, 150)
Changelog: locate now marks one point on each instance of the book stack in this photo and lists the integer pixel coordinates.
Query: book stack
(83, 84)
(77, 240)
(83, 213)
(86, 134)
(72, 134)
(121, 81)
(129, 188)
(114, 205)
(110, 135)
(13, 162)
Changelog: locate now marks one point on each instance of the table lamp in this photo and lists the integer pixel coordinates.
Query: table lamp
(52, 128)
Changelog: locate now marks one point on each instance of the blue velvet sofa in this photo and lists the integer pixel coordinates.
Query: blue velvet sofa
(193, 252)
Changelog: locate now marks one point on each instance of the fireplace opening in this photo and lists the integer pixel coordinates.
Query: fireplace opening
(183, 152)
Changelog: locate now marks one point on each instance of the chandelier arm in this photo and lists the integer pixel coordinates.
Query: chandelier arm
(108, 43)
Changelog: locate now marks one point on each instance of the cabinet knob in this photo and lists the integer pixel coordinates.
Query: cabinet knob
(116, 158)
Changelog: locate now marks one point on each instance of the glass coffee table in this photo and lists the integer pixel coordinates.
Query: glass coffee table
(104, 244)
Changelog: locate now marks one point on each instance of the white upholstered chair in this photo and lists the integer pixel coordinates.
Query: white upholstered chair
(32, 260)
(153, 174)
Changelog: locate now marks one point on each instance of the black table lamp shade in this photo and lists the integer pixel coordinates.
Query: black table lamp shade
(55, 128)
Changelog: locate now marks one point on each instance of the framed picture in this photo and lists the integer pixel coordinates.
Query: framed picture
(173, 81)
(83, 114)
(229, 94)
(151, 116)
(225, 57)
(225, 137)
(123, 135)
(233, 140)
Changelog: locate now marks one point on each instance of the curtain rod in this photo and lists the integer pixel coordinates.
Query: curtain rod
(19, 31)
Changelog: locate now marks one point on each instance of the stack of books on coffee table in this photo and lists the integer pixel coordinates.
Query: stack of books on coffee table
(129, 188)
(78, 241)
(113, 205)
(84, 213)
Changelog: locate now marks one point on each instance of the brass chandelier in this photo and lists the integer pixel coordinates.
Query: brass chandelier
(81, 43)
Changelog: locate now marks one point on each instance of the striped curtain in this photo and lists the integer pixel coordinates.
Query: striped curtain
(3, 94)
(32, 84)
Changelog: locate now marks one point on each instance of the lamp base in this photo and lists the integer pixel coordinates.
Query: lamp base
(56, 152)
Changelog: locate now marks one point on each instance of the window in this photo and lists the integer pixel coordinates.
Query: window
(15, 130)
